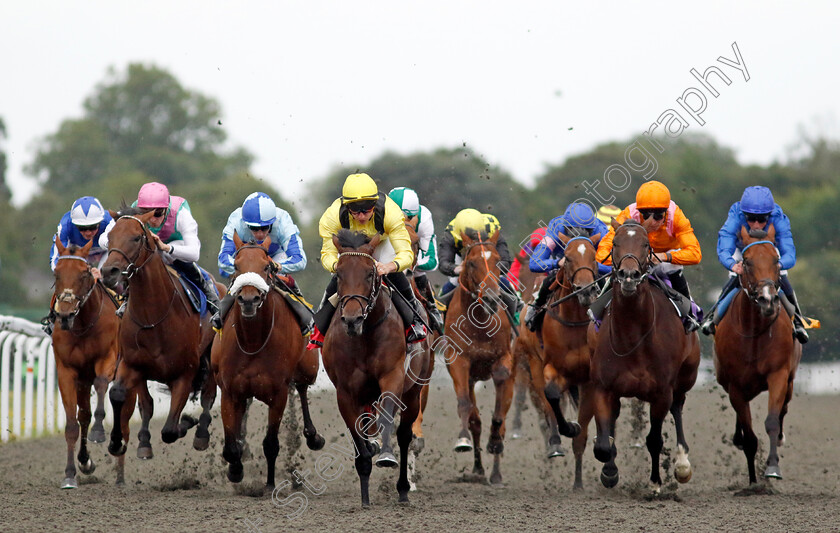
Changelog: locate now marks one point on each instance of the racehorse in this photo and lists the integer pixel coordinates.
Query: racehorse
(566, 349)
(85, 347)
(755, 351)
(365, 354)
(479, 331)
(161, 338)
(258, 354)
(641, 351)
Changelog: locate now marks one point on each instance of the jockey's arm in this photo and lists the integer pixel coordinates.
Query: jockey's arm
(688, 251)
(291, 255)
(727, 241)
(446, 255)
(505, 259)
(188, 248)
(226, 256)
(541, 260)
(428, 243)
(62, 235)
(784, 241)
(328, 226)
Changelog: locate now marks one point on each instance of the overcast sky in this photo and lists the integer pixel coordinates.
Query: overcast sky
(307, 85)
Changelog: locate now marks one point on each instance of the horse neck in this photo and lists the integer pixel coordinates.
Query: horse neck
(748, 314)
(635, 306)
(571, 308)
(152, 279)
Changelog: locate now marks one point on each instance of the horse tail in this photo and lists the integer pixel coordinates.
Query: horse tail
(201, 375)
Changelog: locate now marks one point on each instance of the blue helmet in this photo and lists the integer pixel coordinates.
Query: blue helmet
(87, 211)
(757, 200)
(259, 210)
(580, 215)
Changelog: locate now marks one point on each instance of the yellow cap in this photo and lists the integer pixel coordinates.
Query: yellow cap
(359, 187)
(607, 212)
(470, 218)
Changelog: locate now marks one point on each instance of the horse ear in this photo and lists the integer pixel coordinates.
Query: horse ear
(595, 238)
(236, 240)
(744, 235)
(771, 233)
(647, 223)
(146, 217)
(374, 242)
(614, 223)
(115, 215)
(266, 243)
(495, 237)
(564, 238)
(85, 250)
(59, 246)
(465, 238)
(335, 242)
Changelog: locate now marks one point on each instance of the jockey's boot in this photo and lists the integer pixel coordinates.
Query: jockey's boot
(323, 316)
(209, 288)
(316, 339)
(536, 312)
(713, 318)
(121, 309)
(680, 284)
(425, 288)
(798, 324)
(218, 319)
(48, 321)
(513, 304)
(409, 307)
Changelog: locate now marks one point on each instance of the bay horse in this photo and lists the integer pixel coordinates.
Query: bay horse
(755, 351)
(161, 338)
(566, 348)
(85, 348)
(478, 330)
(641, 351)
(366, 358)
(259, 354)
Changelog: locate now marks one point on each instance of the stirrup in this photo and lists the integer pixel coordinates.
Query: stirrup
(799, 330)
(415, 333)
(708, 327)
(121, 311)
(216, 321)
(47, 325)
(316, 339)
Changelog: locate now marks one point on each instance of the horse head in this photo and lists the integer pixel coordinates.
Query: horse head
(358, 281)
(74, 282)
(580, 267)
(630, 254)
(129, 246)
(480, 269)
(761, 269)
(253, 275)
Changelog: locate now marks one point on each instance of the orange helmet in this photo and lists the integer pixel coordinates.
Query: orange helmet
(653, 195)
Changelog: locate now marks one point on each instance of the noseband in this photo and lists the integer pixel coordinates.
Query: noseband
(67, 295)
(270, 279)
(367, 302)
(132, 268)
(643, 266)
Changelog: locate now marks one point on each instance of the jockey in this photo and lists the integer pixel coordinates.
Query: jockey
(607, 212)
(86, 220)
(363, 208)
(175, 233)
(672, 242)
(452, 246)
(420, 216)
(756, 211)
(524, 254)
(259, 218)
(577, 221)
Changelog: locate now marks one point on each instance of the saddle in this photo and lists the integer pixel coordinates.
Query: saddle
(686, 308)
(195, 295)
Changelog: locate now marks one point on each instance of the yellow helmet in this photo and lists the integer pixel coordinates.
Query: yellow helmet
(607, 212)
(359, 187)
(493, 224)
(470, 218)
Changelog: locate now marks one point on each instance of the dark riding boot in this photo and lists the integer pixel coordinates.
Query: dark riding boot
(536, 311)
(408, 307)
(798, 324)
(194, 274)
(48, 321)
(425, 288)
(304, 314)
(680, 284)
(596, 310)
(218, 319)
(323, 316)
(709, 324)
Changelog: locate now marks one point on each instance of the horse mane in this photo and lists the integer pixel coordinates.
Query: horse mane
(127, 210)
(476, 235)
(578, 232)
(73, 248)
(630, 222)
(758, 233)
(352, 239)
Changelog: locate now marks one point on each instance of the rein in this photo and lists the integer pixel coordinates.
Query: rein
(69, 296)
(752, 292)
(367, 302)
(267, 337)
(639, 343)
(478, 296)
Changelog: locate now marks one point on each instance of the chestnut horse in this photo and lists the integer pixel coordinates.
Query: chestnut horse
(161, 337)
(258, 354)
(641, 351)
(366, 358)
(478, 330)
(566, 349)
(85, 347)
(755, 351)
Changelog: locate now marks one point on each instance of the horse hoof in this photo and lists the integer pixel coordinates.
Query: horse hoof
(654, 488)
(573, 430)
(69, 483)
(316, 442)
(386, 460)
(463, 445)
(555, 450)
(145, 452)
(683, 473)
(516, 434)
(609, 481)
(116, 449)
(496, 480)
(120, 482)
(268, 490)
(235, 474)
(773, 472)
(87, 468)
(404, 497)
(201, 443)
(96, 435)
(417, 445)
(495, 447)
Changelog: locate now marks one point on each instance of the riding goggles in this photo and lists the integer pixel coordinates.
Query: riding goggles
(260, 228)
(760, 218)
(362, 206)
(159, 211)
(657, 214)
(92, 227)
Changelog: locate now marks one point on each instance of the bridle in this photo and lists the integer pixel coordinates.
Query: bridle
(367, 302)
(132, 268)
(270, 279)
(484, 255)
(643, 266)
(753, 290)
(67, 295)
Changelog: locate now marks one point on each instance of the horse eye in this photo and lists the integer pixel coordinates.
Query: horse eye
(137, 238)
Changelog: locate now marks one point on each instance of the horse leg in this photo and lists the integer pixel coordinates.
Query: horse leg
(243, 432)
(658, 411)
(553, 394)
(738, 437)
(121, 420)
(271, 443)
(777, 388)
(201, 441)
(585, 412)
(404, 437)
(387, 406)
(522, 382)
(67, 388)
(175, 427)
(314, 441)
(459, 369)
(86, 464)
(784, 411)
(682, 467)
(504, 384)
(606, 407)
(744, 422)
(548, 424)
(233, 410)
(418, 443)
(147, 409)
(97, 432)
(365, 450)
(475, 430)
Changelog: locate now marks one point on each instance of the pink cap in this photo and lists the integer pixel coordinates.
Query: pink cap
(153, 194)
